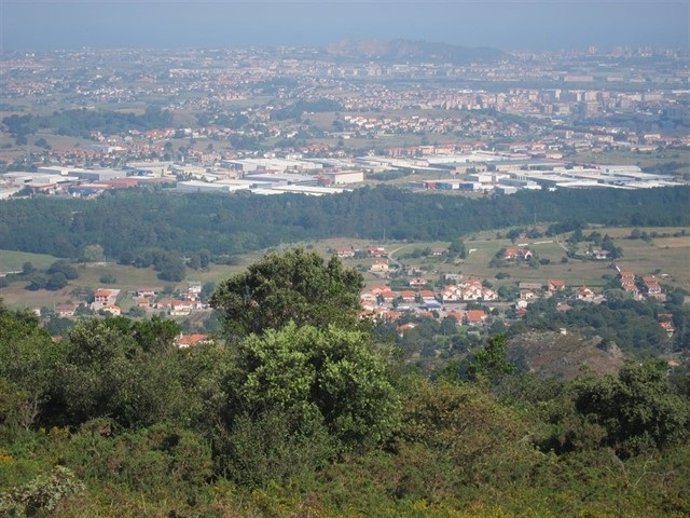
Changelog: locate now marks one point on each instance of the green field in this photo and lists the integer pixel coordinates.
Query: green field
(575, 273)
(11, 261)
(129, 279)
(669, 257)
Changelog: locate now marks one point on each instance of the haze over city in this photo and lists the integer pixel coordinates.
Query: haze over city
(339, 258)
(506, 25)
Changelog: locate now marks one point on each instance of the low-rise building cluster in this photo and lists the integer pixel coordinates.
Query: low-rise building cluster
(475, 302)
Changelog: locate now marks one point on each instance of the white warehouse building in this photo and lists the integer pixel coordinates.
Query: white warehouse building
(343, 177)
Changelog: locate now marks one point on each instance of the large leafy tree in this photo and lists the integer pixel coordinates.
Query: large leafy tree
(120, 369)
(295, 286)
(639, 409)
(329, 377)
(27, 362)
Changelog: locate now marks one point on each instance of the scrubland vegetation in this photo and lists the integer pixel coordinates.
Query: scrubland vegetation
(297, 409)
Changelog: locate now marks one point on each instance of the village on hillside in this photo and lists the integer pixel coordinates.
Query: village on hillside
(474, 302)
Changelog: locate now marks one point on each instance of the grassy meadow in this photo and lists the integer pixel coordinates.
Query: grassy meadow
(129, 279)
(668, 257)
(11, 261)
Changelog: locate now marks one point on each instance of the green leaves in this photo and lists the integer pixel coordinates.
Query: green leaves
(121, 369)
(41, 495)
(296, 286)
(491, 362)
(292, 421)
(297, 397)
(330, 376)
(297, 361)
(27, 361)
(276, 445)
(639, 410)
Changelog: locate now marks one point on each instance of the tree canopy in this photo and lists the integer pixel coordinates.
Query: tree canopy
(330, 376)
(295, 421)
(242, 222)
(639, 409)
(294, 286)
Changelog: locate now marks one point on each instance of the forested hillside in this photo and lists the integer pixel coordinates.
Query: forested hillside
(296, 409)
(126, 222)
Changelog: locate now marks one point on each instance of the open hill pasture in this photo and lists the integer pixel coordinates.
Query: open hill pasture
(668, 257)
(128, 280)
(12, 261)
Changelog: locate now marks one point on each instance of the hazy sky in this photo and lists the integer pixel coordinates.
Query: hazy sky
(507, 25)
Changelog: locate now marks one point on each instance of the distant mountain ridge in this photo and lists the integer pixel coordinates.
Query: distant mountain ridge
(412, 51)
